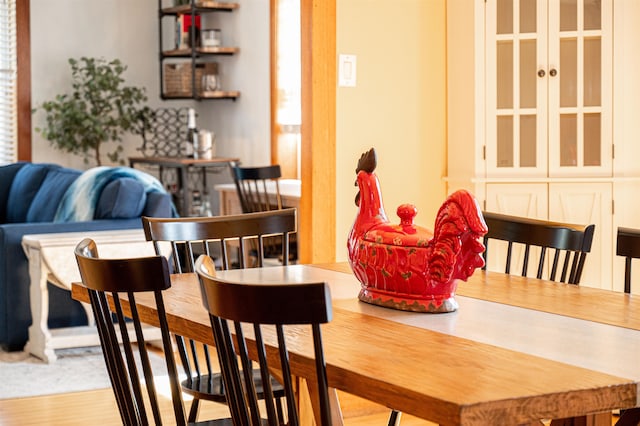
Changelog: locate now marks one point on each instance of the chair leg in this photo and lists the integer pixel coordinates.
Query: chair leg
(394, 418)
(280, 411)
(629, 417)
(193, 411)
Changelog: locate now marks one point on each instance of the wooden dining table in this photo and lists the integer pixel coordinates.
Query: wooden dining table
(517, 350)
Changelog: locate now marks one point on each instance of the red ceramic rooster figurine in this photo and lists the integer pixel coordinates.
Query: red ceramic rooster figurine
(405, 266)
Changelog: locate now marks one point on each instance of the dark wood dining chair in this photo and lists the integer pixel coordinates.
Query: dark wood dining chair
(628, 246)
(569, 243)
(258, 190)
(558, 250)
(254, 187)
(266, 309)
(121, 280)
(236, 241)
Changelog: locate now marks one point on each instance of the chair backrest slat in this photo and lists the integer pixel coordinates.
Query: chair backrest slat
(554, 268)
(570, 243)
(507, 268)
(265, 309)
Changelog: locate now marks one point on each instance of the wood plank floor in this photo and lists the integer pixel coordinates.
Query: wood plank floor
(98, 407)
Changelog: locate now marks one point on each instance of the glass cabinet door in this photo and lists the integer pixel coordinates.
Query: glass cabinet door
(516, 41)
(580, 87)
(548, 91)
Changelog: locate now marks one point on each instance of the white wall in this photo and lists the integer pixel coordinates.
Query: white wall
(128, 30)
(242, 127)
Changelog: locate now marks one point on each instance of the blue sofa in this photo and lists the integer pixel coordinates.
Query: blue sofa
(47, 198)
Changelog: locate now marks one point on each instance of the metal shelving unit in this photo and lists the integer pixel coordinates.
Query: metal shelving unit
(196, 56)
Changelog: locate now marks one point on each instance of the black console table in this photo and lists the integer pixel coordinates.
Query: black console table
(183, 167)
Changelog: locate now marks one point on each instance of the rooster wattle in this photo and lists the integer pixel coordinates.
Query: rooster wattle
(405, 266)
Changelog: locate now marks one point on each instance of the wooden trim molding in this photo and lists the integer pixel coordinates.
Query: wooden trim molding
(24, 79)
(318, 160)
(273, 67)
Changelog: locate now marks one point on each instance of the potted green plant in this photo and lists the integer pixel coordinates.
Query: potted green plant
(100, 109)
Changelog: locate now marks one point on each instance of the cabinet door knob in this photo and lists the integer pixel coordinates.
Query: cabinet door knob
(553, 72)
(541, 73)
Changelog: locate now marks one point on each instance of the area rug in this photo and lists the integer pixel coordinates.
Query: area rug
(75, 370)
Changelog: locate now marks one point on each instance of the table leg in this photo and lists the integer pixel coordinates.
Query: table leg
(308, 408)
(39, 343)
(600, 419)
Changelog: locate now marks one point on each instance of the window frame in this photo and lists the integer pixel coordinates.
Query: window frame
(285, 137)
(23, 41)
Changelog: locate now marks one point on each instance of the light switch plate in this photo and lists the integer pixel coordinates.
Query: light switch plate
(347, 71)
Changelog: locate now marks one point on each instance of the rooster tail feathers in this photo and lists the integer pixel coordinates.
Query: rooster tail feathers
(471, 218)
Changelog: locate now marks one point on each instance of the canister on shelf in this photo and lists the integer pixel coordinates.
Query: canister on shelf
(211, 38)
(210, 82)
(206, 148)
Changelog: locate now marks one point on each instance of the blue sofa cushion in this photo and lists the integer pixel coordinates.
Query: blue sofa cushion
(45, 204)
(24, 188)
(7, 173)
(121, 199)
(159, 205)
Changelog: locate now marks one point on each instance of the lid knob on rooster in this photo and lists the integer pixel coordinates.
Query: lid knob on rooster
(405, 266)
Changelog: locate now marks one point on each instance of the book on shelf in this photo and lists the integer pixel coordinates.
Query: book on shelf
(183, 31)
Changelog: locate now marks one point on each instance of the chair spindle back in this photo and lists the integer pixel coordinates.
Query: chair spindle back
(259, 313)
(570, 244)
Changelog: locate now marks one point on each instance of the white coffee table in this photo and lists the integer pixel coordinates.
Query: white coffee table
(51, 259)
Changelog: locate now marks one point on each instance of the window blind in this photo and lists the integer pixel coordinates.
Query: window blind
(8, 76)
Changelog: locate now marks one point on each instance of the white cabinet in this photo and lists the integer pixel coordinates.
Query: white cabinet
(531, 101)
(588, 203)
(563, 202)
(519, 199)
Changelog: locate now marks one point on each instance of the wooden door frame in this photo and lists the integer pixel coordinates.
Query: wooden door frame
(317, 233)
(318, 160)
(273, 73)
